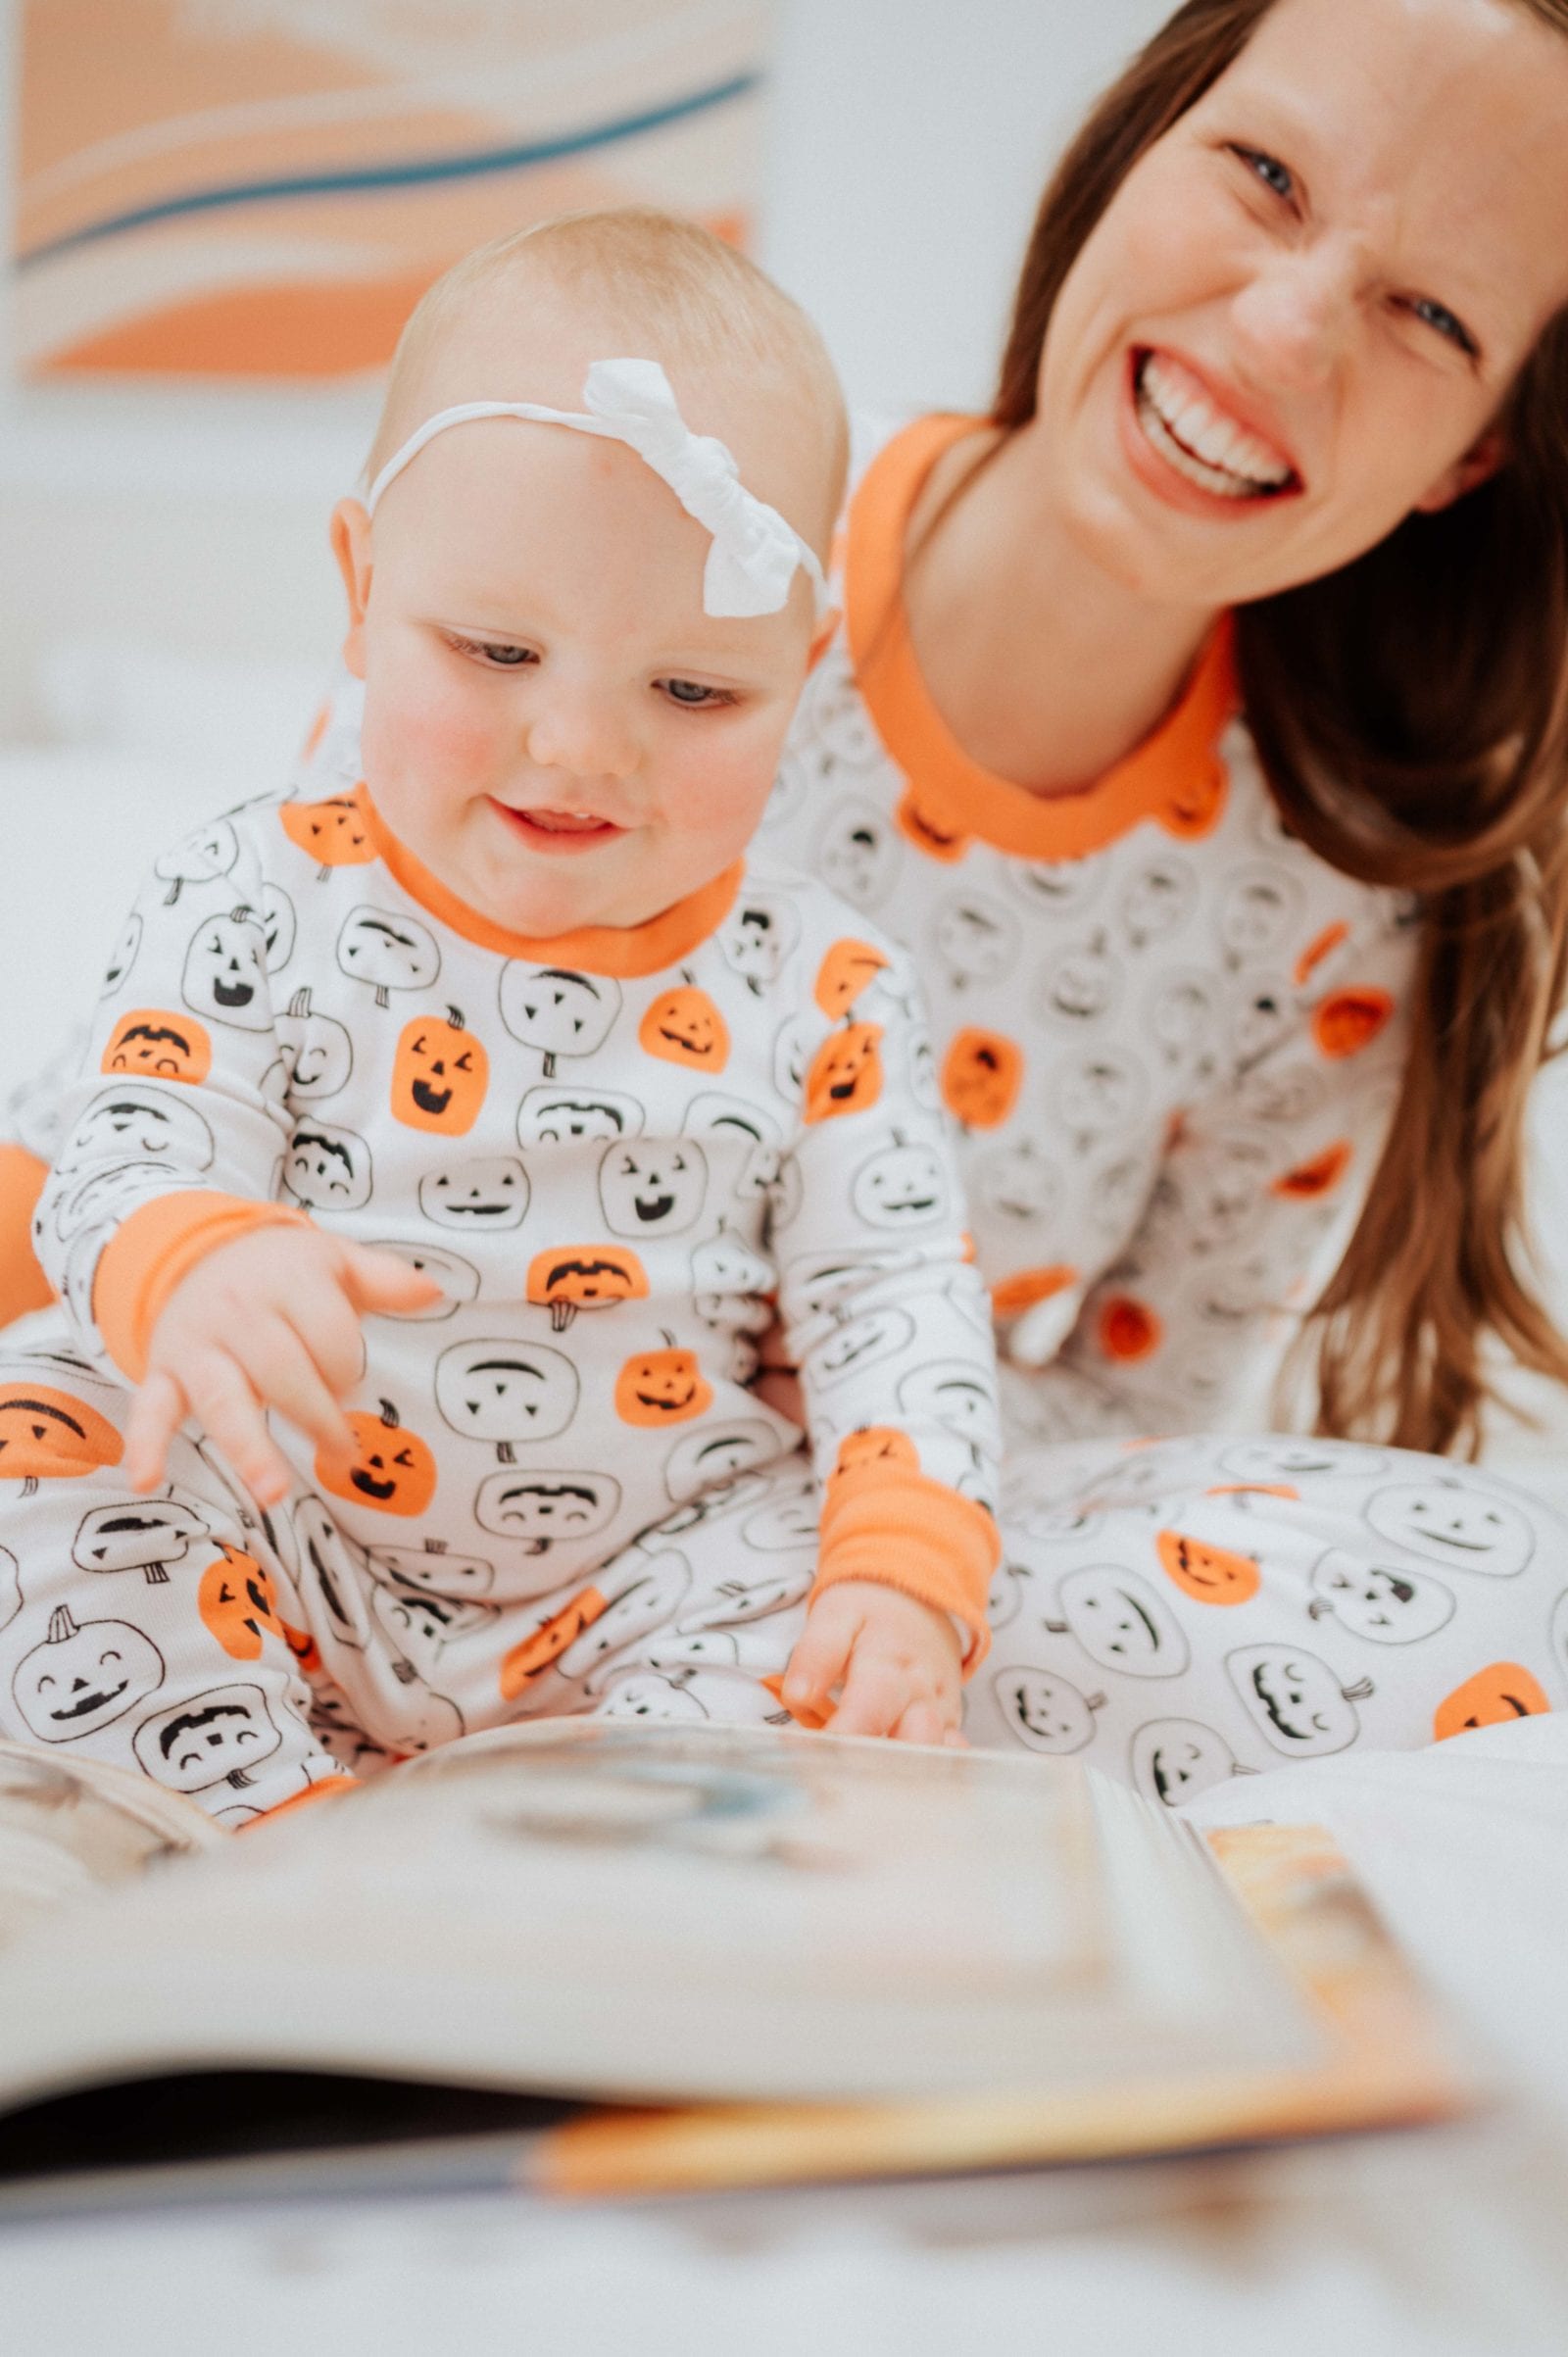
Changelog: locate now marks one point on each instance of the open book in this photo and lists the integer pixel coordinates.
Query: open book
(724, 1957)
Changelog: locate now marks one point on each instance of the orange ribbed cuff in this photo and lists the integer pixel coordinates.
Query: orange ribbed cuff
(154, 1250)
(23, 1282)
(905, 1531)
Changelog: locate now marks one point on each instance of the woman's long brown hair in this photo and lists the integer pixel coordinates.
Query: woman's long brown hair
(1409, 712)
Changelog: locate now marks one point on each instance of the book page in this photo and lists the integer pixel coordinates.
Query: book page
(71, 1828)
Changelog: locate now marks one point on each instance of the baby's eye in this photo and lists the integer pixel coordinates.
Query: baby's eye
(499, 655)
(693, 693)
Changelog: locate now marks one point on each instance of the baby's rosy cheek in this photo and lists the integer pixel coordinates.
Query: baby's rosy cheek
(434, 736)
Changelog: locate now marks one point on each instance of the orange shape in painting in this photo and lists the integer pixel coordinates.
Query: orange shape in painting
(1350, 1020)
(545, 1644)
(982, 1073)
(392, 1470)
(927, 832)
(844, 973)
(47, 1435)
(1011, 1295)
(1494, 1696)
(160, 1046)
(661, 1387)
(583, 1276)
(439, 1076)
(237, 1600)
(332, 832)
(1209, 1575)
(1315, 952)
(1194, 804)
(1128, 1329)
(1320, 1176)
(846, 1074)
(685, 1027)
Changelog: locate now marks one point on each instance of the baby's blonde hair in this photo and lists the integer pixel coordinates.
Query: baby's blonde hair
(675, 293)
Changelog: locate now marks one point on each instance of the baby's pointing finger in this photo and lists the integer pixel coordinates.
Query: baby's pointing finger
(375, 1280)
(819, 1659)
(157, 1412)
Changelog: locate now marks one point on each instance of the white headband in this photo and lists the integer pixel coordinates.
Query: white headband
(752, 562)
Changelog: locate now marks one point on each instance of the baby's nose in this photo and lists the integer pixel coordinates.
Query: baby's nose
(582, 735)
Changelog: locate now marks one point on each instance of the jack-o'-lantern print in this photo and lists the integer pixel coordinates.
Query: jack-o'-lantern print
(316, 1051)
(1209, 1575)
(875, 1450)
(279, 927)
(728, 1282)
(457, 1279)
(388, 950)
(846, 1073)
(152, 1043)
(557, 1114)
(200, 859)
(1350, 1020)
(1257, 908)
(237, 1603)
(327, 1168)
(849, 968)
(46, 1435)
(1128, 1330)
(976, 940)
(1158, 900)
(420, 1626)
(333, 833)
(1385, 1604)
(706, 1460)
(1296, 1700)
(1098, 1095)
(661, 1387)
(1195, 801)
(1120, 1622)
(856, 1342)
(1180, 1019)
(136, 1123)
(583, 1276)
(1081, 984)
(480, 1198)
(439, 1076)
(758, 935)
(1463, 1525)
(1504, 1691)
(1044, 1711)
(543, 1647)
(502, 1391)
(684, 1026)
(83, 1677)
(219, 1737)
(1308, 1181)
(123, 957)
(905, 1185)
(434, 1568)
(752, 1136)
(1173, 1760)
(392, 1469)
(982, 1073)
(105, 1197)
(930, 828)
(225, 971)
(949, 1392)
(334, 1573)
(539, 1510)
(138, 1534)
(653, 1186)
(558, 1012)
(818, 1282)
(858, 854)
(649, 1601)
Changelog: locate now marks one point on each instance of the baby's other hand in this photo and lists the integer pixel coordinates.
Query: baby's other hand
(895, 1662)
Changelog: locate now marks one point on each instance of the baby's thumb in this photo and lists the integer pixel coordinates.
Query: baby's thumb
(376, 1280)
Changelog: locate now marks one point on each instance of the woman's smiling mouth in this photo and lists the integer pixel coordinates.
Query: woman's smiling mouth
(1180, 420)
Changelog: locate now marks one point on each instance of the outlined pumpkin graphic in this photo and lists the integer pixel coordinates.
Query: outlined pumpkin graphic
(539, 1509)
(757, 936)
(1350, 1020)
(457, 1279)
(903, 1184)
(225, 971)
(651, 1187)
(393, 1470)
(557, 1011)
(217, 1737)
(846, 1073)
(849, 967)
(500, 1389)
(201, 859)
(439, 1076)
(1209, 1575)
(317, 1051)
(123, 956)
(156, 1044)
(279, 927)
(542, 1646)
(583, 1276)
(683, 1026)
(1502, 1692)
(134, 1123)
(982, 1073)
(490, 1193)
(876, 1449)
(237, 1600)
(138, 1534)
(47, 1435)
(434, 1568)
(661, 1387)
(333, 833)
(327, 1168)
(83, 1677)
(388, 950)
(1317, 1177)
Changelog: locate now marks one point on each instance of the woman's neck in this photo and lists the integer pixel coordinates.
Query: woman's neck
(1047, 671)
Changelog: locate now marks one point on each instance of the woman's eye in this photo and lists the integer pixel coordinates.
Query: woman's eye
(1269, 170)
(1439, 317)
(693, 693)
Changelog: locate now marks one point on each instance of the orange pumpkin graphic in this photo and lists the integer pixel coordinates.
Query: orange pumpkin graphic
(1011, 1295)
(846, 1074)
(872, 1450)
(545, 1644)
(158, 1045)
(584, 1276)
(1320, 1176)
(1128, 1329)
(1209, 1575)
(661, 1387)
(49, 1436)
(981, 1077)
(1350, 1020)
(1503, 1691)
(844, 973)
(237, 1600)
(685, 1027)
(304, 1648)
(439, 1076)
(1317, 951)
(392, 1470)
(332, 832)
(929, 833)
(1193, 808)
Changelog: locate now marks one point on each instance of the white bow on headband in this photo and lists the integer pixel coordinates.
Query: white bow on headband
(754, 552)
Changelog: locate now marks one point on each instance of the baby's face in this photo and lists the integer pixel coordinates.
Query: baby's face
(553, 725)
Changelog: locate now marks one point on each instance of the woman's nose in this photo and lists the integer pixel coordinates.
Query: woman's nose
(1294, 322)
(579, 732)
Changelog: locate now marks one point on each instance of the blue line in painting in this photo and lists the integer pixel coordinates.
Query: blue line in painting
(469, 166)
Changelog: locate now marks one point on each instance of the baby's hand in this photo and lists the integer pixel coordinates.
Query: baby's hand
(895, 1660)
(271, 1320)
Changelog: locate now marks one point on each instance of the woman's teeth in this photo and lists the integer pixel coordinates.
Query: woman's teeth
(1195, 438)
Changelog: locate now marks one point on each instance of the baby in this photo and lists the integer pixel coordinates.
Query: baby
(472, 1126)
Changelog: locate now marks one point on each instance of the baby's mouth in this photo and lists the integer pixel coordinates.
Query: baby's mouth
(564, 822)
(1196, 437)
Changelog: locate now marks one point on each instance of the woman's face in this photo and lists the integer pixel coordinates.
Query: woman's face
(1306, 303)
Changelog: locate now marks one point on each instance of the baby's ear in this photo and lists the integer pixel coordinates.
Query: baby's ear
(821, 644)
(351, 546)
